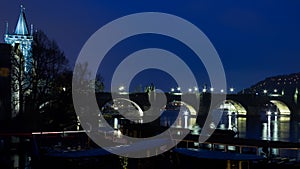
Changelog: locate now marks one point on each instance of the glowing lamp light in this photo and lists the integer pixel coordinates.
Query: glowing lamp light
(121, 88)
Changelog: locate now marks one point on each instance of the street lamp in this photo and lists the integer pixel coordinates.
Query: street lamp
(121, 88)
(195, 89)
(265, 91)
(231, 89)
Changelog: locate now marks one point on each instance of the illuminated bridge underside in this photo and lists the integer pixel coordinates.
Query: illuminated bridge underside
(193, 114)
(234, 106)
(192, 110)
(282, 107)
(127, 104)
(230, 105)
(187, 116)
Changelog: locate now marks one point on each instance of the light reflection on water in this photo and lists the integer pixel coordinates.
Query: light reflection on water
(267, 127)
(272, 127)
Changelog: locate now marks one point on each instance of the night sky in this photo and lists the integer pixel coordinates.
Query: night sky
(254, 39)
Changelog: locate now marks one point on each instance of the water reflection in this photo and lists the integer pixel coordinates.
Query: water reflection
(274, 124)
(270, 126)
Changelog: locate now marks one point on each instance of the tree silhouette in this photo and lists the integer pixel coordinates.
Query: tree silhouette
(43, 92)
(34, 88)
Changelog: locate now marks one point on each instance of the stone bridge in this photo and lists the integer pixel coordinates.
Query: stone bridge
(243, 104)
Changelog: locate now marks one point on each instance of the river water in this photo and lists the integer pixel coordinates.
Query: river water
(275, 128)
(268, 126)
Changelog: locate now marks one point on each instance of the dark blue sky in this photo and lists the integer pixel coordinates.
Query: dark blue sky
(254, 39)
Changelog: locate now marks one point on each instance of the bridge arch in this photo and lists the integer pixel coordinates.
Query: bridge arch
(123, 106)
(191, 109)
(282, 107)
(187, 115)
(233, 106)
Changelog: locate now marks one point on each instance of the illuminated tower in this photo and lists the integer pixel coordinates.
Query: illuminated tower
(23, 38)
(21, 41)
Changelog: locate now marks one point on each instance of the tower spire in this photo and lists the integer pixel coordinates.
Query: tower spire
(31, 29)
(21, 28)
(6, 28)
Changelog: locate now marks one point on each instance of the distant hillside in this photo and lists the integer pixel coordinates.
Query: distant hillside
(281, 84)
